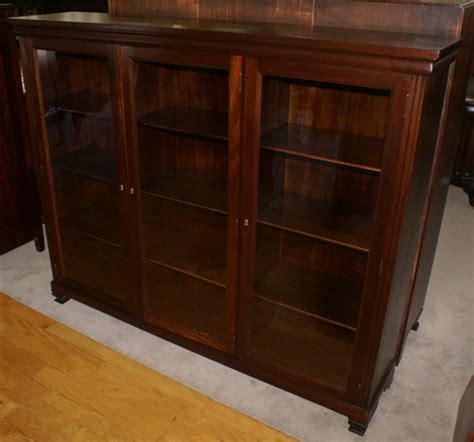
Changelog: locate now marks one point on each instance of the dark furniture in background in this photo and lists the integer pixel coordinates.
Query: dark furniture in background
(258, 193)
(464, 430)
(28, 7)
(464, 164)
(461, 18)
(20, 220)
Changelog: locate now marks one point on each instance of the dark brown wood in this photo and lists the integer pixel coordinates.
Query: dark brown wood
(307, 216)
(193, 187)
(464, 431)
(264, 183)
(410, 237)
(376, 43)
(296, 288)
(78, 171)
(441, 171)
(463, 173)
(20, 221)
(85, 102)
(90, 162)
(188, 172)
(189, 121)
(326, 146)
(428, 20)
(357, 427)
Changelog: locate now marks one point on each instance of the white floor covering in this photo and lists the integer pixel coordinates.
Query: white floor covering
(421, 404)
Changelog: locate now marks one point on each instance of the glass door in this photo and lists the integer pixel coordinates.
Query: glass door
(188, 191)
(85, 164)
(318, 163)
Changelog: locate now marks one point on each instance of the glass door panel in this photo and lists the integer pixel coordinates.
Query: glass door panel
(182, 128)
(320, 158)
(83, 154)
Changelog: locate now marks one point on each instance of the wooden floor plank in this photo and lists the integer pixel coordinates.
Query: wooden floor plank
(32, 426)
(6, 405)
(18, 359)
(15, 384)
(56, 384)
(10, 433)
(27, 314)
(4, 298)
(121, 365)
(116, 410)
(28, 331)
(50, 418)
(93, 421)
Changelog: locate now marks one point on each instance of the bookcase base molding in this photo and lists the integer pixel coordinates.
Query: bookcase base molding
(253, 192)
(358, 417)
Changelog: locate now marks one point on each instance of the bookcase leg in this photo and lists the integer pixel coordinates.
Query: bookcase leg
(39, 242)
(389, 381)
(357, 427)
(61, 299)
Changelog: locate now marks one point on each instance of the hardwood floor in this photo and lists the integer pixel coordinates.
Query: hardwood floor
(56, 384)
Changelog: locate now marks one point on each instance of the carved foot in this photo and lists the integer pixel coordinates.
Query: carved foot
(389, 381)
(466, 181)
(61, 299)
(39, 243)
(416, 326)
(357, 427)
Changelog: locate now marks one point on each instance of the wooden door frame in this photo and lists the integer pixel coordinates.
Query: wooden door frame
(29, 47)
(373, 299)
(232, 64)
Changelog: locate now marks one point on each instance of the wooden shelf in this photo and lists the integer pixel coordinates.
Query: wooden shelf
(86, 227)
(95, 264)
(179, 248)
(187, 120)
(93, 103)
(310, 217)
(193, 187)
(90, 162)
(319, 295)
(325, 145)
(302, 345)
(184, 304)
(89, 206)
(189, 259)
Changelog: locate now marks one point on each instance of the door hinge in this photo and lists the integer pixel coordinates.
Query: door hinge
(237, 227)
(41, 172)
(380, 268)
(240, 82)
(233, 342)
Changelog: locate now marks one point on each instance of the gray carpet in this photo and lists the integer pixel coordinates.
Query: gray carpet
(420, 406)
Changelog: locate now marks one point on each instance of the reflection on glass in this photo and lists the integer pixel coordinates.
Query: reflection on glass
(320, 160)
(182, 137)
(78, 114)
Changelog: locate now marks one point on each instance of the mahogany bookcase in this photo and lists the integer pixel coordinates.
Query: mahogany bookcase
(253, 191)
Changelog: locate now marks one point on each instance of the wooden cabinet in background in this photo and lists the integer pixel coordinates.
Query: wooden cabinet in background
(20, 220)
(252, 192)
(464, 164)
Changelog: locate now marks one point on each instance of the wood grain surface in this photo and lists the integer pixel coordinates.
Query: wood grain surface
(56, 384)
